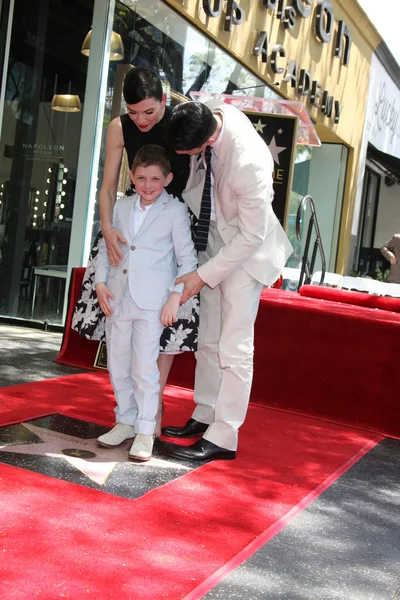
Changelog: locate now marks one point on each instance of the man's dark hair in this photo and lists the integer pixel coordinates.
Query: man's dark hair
(190, 126)
(151, 155)
(141, 83)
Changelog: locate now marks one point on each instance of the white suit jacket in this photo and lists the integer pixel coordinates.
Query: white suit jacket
(161, 250)
(243, 193)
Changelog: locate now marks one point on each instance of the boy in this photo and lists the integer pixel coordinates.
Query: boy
(139, 296)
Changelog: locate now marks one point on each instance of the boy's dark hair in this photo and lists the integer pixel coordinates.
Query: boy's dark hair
(190, 126)
(151, 155)
(141, 83)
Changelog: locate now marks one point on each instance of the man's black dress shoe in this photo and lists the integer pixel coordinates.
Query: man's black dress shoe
(201, 451)
(191, 429)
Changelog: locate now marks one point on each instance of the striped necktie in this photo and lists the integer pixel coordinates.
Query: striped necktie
(203, 224)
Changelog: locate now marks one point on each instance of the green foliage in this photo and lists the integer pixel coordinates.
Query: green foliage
(359, 274)
(382, 275)
(379, 274)
(303, 153)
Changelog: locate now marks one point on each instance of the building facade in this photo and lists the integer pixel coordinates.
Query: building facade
(377, 209)
(60, 89)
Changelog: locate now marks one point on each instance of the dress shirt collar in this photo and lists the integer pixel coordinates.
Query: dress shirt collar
(138, 206)
(217, 145)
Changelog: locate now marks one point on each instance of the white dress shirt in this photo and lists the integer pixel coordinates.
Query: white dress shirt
(139, 215)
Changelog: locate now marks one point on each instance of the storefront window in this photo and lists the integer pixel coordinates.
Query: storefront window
(319, 172)
(39, 146)
(154, 35)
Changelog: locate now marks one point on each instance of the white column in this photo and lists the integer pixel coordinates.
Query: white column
(90, 141)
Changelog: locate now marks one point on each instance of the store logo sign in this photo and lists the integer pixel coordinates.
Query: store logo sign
(383, 114)
(387, 113)
(42, 149)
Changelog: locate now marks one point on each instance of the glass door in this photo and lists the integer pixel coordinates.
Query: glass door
(44, 77)
(321, 173)
(370, 198)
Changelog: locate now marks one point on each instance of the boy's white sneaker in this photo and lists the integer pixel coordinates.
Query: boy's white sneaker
(117, 435)
(142, 447)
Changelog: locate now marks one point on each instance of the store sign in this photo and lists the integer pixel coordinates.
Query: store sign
(40, 150)
(325, 29)
(383, 112)
(279, 132)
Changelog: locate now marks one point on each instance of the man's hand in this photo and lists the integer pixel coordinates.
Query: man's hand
(170, 310)
(103, 294)
(193, 284)
(111, 237)
(393, 260)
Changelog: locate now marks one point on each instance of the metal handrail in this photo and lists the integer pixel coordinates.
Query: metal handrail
(307, 267)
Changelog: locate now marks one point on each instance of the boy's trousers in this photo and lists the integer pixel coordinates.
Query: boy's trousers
(133, 345)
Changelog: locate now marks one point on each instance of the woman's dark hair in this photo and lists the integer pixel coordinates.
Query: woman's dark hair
(190, 126)
(141, 83)
(151, 155)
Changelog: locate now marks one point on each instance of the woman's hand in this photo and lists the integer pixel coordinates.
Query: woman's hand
(111, 237)
(103, 294)
(170, 310)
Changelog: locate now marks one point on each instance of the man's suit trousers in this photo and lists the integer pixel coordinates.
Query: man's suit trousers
(224, 369)
(133, 345)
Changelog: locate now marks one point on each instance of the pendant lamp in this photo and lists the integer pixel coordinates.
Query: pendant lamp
(116, 47)
(66, 103)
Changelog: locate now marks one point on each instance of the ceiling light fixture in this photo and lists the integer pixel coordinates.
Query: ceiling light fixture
(66, 103)
(116, 46)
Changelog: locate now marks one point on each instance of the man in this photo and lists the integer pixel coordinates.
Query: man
(242, 248)
(391, 251)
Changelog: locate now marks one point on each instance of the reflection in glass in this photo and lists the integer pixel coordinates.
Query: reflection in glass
(116, 46)
(39, 151)
(319, 172)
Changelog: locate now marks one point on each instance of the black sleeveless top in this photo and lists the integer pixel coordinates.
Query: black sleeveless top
(134, 139)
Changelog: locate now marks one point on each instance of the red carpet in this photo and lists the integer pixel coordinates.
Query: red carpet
(76, 350)
(324, 359)
(61, 540)
(316, 357)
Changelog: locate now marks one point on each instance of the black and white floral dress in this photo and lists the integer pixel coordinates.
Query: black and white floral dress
(88, 319)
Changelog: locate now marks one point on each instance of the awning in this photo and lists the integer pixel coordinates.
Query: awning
(390, 164)
(306, 133)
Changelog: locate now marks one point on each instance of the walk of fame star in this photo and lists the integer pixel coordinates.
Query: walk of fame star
(275, 150)
(259, 126)
(96, 463)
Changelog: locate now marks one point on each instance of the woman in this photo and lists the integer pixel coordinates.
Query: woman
(144, 123)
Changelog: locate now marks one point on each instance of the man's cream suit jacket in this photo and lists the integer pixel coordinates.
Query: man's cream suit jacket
(243, 194)
(161, 250)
